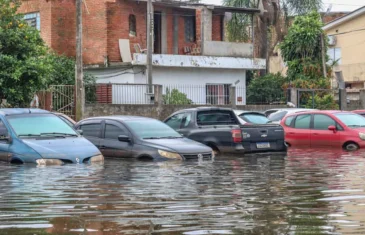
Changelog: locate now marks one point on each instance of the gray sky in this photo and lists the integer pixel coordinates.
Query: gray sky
(337, 5)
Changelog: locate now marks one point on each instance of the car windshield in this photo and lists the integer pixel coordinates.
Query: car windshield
(255, 118)
(277, 116)
(351, 120)
(39, 125)
(152, 129)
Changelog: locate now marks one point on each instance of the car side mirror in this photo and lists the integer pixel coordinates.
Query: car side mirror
(5, 137)
(81, 132)
(124, 138)
(332, 128)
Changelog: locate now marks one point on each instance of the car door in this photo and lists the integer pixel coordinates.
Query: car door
(91, 130)
(4, 142)
(110, 145)
(299, 133)
(186, 124)
(321, 136)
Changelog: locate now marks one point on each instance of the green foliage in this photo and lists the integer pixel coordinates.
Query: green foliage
(266, 89)
(23, 64)
(323, 102)
(301, 48)
(175, 97)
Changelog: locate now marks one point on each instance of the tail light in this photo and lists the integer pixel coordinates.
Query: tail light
(237, 136)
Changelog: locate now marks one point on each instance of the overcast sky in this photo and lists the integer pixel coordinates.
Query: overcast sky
(337, 5)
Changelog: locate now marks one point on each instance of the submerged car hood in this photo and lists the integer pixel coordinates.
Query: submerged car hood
(181, 145)
(63, 149)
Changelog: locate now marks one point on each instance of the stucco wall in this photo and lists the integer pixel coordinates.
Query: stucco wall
(153, 111)
(352, 48)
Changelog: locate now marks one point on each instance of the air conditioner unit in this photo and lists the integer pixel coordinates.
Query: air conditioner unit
(332, 40)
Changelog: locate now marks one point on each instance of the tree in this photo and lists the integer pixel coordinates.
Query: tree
(266, 90)
(23, 57)
(301, 50)
(176, 97)
(272, 25)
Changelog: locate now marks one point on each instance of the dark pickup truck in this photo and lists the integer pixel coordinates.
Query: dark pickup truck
(223, 131)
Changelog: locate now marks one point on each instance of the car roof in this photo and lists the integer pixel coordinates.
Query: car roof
(359, 111)
(212, 108)
(15, 111)
(119, 118)
(322, 112)
(239, 112)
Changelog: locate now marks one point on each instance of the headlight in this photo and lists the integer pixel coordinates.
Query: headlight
(362, 135)
(169, 155)
(97, 158)
(49, 162)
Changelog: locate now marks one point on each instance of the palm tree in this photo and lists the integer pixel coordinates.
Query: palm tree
(272, 25)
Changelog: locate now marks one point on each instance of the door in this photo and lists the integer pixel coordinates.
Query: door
(186, 124)
(91, 130)
(4, 143)
(299, 134)
(157, 32)
(110, 145)
(321, 136)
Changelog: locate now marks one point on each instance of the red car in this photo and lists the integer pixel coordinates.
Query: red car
(325, 129)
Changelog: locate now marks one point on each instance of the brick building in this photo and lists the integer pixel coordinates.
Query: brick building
(189, 41)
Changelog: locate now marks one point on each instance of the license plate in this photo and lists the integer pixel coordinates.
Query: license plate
(263, 145)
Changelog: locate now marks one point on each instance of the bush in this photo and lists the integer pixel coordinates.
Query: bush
(175, 97)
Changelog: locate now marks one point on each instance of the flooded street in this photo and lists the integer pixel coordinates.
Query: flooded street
(305, 192)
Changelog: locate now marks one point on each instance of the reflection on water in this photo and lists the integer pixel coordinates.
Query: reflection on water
(305, 192)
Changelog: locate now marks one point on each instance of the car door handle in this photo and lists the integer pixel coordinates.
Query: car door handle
(291, 133)
(315, 133)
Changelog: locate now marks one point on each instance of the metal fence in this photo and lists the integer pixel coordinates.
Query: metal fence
(132, 94)
(63, 99)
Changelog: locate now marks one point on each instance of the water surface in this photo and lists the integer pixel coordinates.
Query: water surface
(305, 192)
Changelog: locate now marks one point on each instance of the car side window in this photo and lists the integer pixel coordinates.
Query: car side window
(112, 132)
(322, 122)
(91, 130)
(289, 121)
(303, 122)
(207, 118)
(175, 121)
(3, 130)
(275, 117)
(186, 120)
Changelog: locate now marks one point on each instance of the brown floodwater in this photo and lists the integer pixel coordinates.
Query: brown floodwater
(303, 192)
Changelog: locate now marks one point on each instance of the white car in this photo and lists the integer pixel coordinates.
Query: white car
(279, 114)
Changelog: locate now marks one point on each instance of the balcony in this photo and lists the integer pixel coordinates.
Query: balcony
(190, 61)
(227, 49)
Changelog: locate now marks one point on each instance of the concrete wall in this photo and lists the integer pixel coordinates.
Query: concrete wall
(153, 111)
(227, 49)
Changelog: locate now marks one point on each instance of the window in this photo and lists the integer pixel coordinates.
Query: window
(152, 129)
(275, 117)
(39, 124)
(91, 130)
(322, 122)
(190, 29)
(303, 122)
(288, 121)
(351, 120)
(217, 94)
(112, 132)
(33, 20)
(255, 118)
(132, 25)
(215, 118)
(3, 130)
(175, 121)
(187, 120)
(334, 55)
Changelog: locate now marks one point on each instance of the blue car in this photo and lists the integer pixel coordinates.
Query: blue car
(38, 136)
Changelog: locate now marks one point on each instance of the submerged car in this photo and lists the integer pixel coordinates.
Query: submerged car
(141, 138)
(38, 136)
(325, 129)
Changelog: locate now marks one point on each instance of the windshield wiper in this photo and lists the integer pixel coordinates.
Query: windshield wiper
(59, 134)
(172, 137)
(356, 126)
(151, 138)
(28, 135)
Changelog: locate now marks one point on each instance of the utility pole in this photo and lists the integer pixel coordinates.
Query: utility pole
(150, 41)
(79, 76)
(323, 51)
